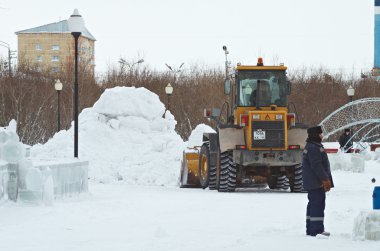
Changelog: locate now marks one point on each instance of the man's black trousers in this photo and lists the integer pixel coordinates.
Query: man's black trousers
(315, 211)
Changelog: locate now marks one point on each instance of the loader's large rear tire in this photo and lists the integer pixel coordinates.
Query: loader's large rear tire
(228, 170)
(296, 184)
(207, 171)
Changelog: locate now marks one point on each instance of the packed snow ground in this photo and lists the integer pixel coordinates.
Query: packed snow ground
(118, 216)
(135, 153)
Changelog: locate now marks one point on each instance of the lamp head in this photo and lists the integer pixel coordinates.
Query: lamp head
(58, 85)
(350, 91)
(169, 89)
(169, 67)
(76, 22)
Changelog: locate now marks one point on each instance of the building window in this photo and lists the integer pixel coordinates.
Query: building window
(55, 47)
(55, 58)
(38, 47)
(39, 58)
(54, 69)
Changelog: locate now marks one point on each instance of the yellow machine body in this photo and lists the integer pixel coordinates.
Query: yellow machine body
(190, 168)
(262, 139)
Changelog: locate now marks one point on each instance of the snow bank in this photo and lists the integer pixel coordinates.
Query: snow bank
(124, 137)
(367, 226)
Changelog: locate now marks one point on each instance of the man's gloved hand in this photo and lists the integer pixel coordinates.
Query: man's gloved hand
(326, 185)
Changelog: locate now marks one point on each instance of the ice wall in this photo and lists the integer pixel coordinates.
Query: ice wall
(46, 180)
(367, 226)
(36, 179)
(11, 152)
(347, 162)
(4, 176)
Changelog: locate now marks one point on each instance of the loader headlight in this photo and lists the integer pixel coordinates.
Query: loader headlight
(279, 116)
(256, 116)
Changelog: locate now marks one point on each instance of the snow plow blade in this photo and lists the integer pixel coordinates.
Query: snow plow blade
(190, 169)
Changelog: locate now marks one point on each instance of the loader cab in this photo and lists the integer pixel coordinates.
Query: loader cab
(261, 86)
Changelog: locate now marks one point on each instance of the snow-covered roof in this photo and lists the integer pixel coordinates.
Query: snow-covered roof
(58, 27)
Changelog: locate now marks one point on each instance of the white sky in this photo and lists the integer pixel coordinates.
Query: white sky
(337, 34)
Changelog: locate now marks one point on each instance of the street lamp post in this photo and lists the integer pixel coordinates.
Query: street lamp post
(169, 91)
(350, 94)
(58, 87)
(131, 69)
(76, 25)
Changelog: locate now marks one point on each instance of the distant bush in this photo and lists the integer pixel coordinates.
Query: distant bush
(29, 95)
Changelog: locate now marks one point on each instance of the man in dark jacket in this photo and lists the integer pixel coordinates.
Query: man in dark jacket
(317, 180)
(344, 141)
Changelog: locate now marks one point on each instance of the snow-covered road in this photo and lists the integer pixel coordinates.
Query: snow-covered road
(123, 217)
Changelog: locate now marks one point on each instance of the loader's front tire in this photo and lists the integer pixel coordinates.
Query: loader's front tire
(204, 165)
(228, 170)
(296, 184)
(212, 176)
(278, 182)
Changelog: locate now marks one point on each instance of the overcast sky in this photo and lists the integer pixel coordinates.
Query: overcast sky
(337, 34)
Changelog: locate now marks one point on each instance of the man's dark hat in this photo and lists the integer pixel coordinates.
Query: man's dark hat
(347, 130)
(314, 130)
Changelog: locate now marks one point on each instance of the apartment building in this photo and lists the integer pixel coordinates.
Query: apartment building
(51, 47)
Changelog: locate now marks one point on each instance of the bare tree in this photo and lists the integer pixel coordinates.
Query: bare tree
(29, 96)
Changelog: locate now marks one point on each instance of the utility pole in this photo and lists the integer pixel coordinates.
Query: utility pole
(174, 71)
(227, 64)
(124, 63)
(228, 80)
(6, 45)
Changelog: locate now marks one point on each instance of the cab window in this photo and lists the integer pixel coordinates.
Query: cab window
(262, 88)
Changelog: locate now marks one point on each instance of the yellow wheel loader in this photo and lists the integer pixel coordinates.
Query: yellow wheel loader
(259, 144)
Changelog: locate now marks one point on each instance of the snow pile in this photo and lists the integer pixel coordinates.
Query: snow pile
(196, 136)
(367, 226)
(125, 137)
